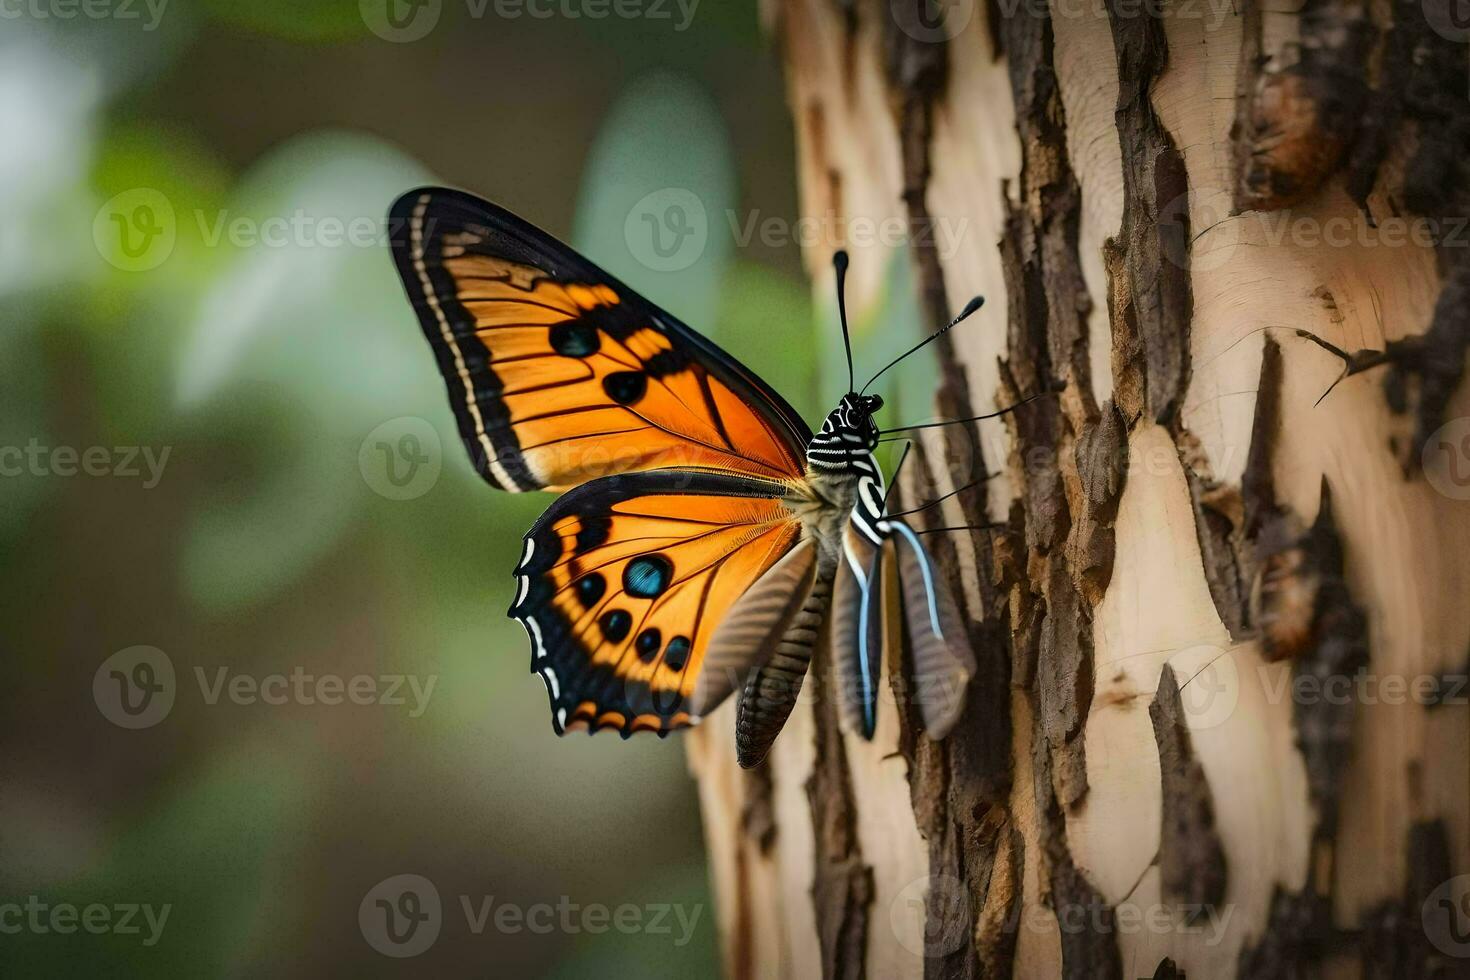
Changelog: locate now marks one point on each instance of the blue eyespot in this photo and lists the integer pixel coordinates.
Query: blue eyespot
(676, 653)
(647, 576)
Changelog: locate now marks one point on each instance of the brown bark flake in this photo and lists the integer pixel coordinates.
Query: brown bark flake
(1154, 240)
(1191, 857)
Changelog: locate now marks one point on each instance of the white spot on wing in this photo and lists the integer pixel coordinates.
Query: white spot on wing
(552, 684)
(534, 629)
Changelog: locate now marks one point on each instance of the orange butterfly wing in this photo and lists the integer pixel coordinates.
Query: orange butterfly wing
(559, 374)
(624, 581)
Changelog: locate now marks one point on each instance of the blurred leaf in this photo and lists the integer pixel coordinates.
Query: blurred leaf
(306, 323)
(655, 195)
(133, 318)
(192, 182)
(48, 101)
(120, 45)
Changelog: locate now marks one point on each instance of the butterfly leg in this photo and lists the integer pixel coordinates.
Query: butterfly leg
(771, 692)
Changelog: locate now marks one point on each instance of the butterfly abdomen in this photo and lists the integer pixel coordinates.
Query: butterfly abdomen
(771, 692)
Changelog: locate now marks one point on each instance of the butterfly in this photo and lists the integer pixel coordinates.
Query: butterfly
(704, 536)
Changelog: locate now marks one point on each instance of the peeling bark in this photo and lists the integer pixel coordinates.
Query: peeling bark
(1154, 243)
(1151, 604)
(1191, 860)
(1228, 520)
(843, 885)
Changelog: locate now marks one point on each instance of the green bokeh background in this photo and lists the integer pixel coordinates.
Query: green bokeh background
(261, 367)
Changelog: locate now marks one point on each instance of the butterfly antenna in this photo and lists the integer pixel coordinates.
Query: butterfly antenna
(973, 418)
(961, 527)
(970, 307)
(940, 500)
(839, 263)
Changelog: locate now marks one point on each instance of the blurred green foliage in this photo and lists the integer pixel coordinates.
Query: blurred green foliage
(262, 366)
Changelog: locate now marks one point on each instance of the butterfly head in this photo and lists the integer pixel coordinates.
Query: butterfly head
(853, 418)
(848, 435)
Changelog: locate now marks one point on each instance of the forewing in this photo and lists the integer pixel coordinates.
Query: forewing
(559, 373)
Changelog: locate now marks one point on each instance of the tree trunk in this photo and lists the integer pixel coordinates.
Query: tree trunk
(1220, 724)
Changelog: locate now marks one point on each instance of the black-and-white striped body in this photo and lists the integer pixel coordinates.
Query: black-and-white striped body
(842, 479)
(842, 474)
(835, 576)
